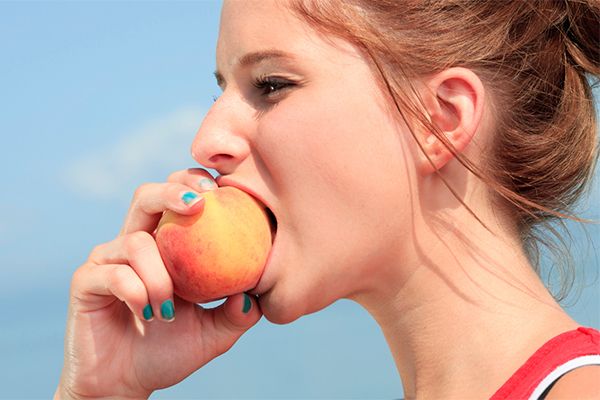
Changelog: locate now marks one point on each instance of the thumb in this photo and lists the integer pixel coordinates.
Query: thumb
(241, 311)
(233, 318)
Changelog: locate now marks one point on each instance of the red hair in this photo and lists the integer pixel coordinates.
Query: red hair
(537, 60)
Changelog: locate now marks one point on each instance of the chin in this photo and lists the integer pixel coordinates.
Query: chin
(278, 310)
(285, 306)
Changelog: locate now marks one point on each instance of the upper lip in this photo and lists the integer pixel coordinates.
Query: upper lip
(224, 181)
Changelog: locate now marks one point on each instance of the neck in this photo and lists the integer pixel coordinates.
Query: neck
(463, 313)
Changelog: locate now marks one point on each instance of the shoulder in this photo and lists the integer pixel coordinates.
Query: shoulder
(579, 384)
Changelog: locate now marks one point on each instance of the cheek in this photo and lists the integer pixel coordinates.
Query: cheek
(342, 152)
(345, 137)
(340, 174)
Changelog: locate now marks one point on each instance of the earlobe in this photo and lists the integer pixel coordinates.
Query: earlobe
(454, 102)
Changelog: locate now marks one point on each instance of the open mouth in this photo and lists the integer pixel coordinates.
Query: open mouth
(272, 223)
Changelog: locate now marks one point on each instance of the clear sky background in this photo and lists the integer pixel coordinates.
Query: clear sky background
(96, 99)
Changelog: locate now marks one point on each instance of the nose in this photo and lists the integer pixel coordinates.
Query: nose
(222, 141)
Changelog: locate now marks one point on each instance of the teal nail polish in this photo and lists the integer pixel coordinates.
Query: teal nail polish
(247, 304)
(207, 184)
(189, 197)
(148, 314)
(167, 311)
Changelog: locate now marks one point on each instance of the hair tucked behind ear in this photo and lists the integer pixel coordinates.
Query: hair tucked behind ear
(538, 61)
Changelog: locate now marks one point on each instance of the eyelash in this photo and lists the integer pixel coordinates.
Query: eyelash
(270, 85)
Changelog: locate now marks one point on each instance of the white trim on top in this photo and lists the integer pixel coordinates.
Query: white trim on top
(561, 370)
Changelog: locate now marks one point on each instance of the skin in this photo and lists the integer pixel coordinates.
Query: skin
(582, 383)
(110, 350)
(361, 215)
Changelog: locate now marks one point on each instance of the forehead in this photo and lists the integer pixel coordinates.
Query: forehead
(253, 26)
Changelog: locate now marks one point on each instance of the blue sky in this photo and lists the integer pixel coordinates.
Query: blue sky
(98, 98)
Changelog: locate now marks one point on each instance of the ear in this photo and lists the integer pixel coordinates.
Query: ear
(453, 100)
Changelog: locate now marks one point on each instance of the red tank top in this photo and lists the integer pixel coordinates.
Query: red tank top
(558, 356)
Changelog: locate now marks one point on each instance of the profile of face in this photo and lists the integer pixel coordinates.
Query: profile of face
(303, 125)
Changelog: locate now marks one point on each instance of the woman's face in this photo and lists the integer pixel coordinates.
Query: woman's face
(302, 125)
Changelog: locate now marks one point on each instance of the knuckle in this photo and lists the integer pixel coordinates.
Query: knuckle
(175, 176)
(142, 190)
(125, 283)
(96, 252)
(138, 291)
(138, 242)
(117, 274)
(162, 285)
(78, 275)
(140, 246)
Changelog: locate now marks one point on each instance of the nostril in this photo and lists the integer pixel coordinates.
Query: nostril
(220, 158)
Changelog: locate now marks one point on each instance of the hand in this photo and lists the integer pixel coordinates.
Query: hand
(127, 333)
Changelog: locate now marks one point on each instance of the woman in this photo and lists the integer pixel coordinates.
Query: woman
(407, 150)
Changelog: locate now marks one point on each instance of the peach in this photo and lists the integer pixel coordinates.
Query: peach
(218, 252)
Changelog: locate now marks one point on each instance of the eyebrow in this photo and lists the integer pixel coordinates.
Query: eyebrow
(256, 58)
(259, 56)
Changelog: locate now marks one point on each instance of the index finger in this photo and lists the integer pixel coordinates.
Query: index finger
(196, 178)
(179, 194)
(152, 199)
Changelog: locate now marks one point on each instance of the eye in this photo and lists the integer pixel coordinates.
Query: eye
(270, 87)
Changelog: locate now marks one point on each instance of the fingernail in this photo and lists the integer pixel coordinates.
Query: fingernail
(190, 198)
(207, 184)
(166, 310)
(247, 304)
(148, 314)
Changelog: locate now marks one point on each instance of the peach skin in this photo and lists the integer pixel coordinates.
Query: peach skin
(218, 252)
